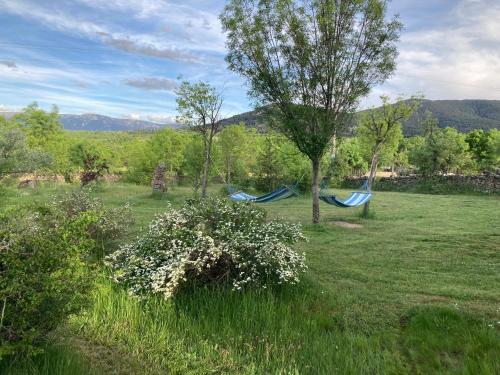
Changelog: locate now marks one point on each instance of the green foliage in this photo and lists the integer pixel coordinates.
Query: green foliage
(209, 242)
(380, 131)
(348, 160)
(194, 157)
(44, 133)
(238, 148)
(165, 146)
(199, 106)
(90, 160)
(443, 151)
(485, 148)
(15, 156)
(494, 148)
(43, 277)
(108, 224)
(279, 162)
(41, 128)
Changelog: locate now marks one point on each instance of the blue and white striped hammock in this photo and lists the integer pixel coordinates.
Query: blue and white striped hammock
(356, 199)
(282, 192)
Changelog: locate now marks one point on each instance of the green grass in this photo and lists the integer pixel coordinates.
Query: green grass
(57, 358)
(415, 290)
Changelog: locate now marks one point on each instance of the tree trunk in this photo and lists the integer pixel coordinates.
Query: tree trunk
(206, 167)
(371, 178)
(228, 174)
(315, 191)
(196, 183)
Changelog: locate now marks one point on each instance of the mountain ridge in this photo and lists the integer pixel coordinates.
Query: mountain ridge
(464, 115)
(97, 122)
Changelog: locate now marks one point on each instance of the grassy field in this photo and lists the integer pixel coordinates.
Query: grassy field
(415, 289)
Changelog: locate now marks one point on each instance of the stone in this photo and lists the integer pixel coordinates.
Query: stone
(158, 184)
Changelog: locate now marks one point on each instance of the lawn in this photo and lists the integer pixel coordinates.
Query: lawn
(415, 289)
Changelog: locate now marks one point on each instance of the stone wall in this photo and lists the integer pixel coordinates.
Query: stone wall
(487, 183)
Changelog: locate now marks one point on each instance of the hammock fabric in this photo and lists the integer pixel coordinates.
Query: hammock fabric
(356, 199)
(282, 192)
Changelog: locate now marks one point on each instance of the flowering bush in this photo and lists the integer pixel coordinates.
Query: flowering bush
(209, 241)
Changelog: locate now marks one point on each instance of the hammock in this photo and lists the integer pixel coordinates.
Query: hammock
(282, 192)
(356, 199)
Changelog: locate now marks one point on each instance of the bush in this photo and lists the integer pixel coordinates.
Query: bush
(109, 224)
(43, 276)
(209, 242)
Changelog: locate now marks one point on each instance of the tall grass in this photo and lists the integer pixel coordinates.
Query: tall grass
(283, 331)
(57, 359)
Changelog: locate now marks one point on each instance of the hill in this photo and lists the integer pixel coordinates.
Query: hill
(95, 122)
(464, 115)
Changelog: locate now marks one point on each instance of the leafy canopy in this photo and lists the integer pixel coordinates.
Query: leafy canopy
(311, 60)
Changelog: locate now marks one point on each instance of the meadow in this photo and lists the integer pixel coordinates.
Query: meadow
(414, 289)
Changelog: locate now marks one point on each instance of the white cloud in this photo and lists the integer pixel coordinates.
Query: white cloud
(134, 116)
(162, 119)
(458, 58)
(174, 44)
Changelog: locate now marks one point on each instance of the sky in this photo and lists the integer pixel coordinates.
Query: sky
(124, 58)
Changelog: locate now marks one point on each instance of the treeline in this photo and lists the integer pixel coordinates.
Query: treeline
(34, 141)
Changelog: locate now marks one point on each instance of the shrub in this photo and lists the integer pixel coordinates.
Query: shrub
(209, 242)
(109, 224)
(43, 276)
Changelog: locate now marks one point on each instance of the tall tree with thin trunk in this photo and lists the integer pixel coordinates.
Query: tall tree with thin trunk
(310, 61)
(199, 106)
(381, 127)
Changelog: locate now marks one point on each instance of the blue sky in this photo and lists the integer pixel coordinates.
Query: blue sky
(123, 57)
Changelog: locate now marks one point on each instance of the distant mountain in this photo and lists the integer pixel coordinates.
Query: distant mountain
(104, 123)
(94, 122)
(464, 115)
(252, 120)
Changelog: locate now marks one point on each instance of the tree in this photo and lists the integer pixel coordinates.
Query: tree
(380, 131)
(493, 158)
(429, 124)
(44, 133)
(41, 128)
(163, 147)
(15, 156)
(348, 160)
(199, 106)
(235, 146)
(442, 152)
(88, 157)
(194, 160)
(484, 148)
(310, 61)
